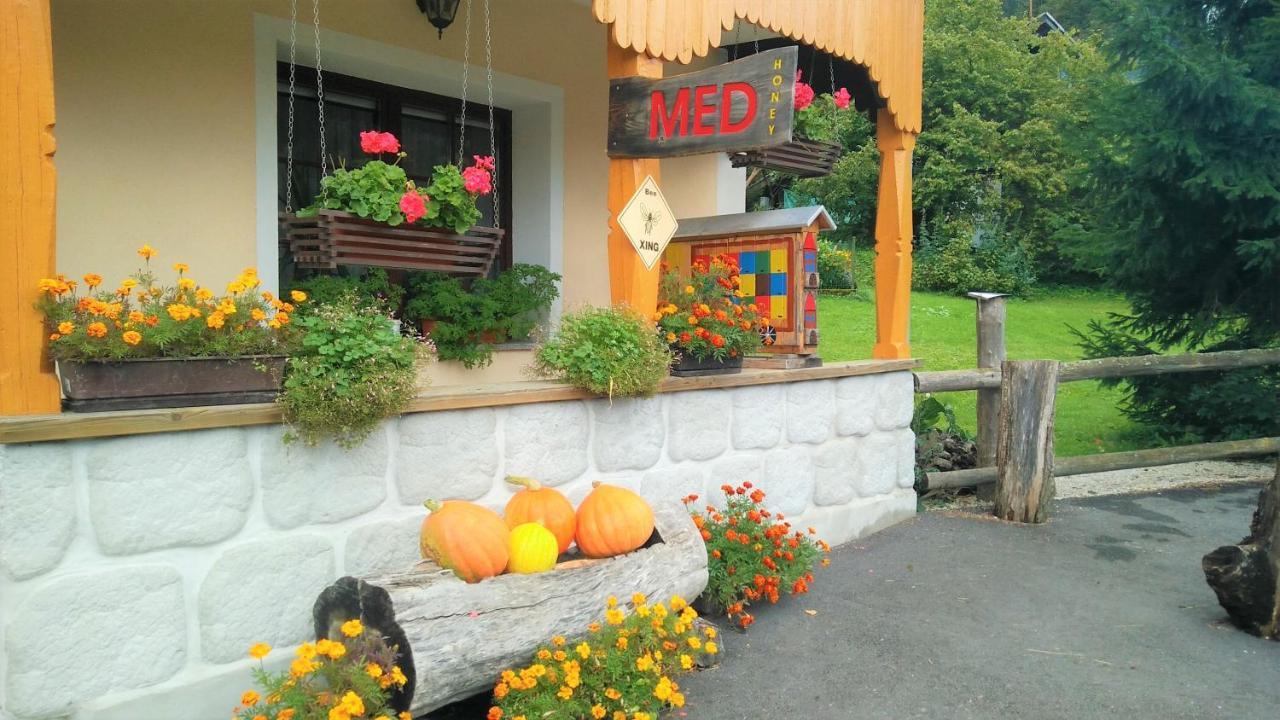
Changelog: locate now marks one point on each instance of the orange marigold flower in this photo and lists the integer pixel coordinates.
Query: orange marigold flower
(286, 714)
(257, 651)
(93, 280)
(136, 316)
(96, 330)
(55, 336)
(131, 337)
(147, 252)
(249, 698)
(215, 320)
(66, 328)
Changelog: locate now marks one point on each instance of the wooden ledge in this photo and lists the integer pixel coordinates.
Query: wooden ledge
(70, 426)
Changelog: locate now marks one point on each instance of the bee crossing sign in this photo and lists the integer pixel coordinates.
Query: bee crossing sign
(648, 222)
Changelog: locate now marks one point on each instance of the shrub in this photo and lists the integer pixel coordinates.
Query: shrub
(752, 553)
(941, 444)
(953, 263)
(328, 680)
(353, 371)
(608, 351)
(703, 315)
(835, 266)
(621, 668)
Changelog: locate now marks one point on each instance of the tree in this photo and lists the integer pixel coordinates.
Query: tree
(997, 186)
(1187, 166)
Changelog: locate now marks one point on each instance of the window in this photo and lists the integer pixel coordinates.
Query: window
(425, 123)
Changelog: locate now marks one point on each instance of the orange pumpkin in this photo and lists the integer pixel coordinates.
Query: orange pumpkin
(545, 506)
(466, 538)
(612, 520)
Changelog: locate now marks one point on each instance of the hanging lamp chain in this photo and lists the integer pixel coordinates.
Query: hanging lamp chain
(466, 63)
(324, 156)
(493, 141)
(293, 58)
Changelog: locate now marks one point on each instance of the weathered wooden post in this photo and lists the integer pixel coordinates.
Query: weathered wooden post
(1024, 450)
(991, 353)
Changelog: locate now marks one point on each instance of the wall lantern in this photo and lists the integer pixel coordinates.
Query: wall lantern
(439, 12)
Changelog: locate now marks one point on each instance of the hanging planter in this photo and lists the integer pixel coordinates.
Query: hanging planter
(331, 238)
(801, 157)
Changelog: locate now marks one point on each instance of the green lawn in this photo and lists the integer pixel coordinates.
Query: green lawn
(943, 336)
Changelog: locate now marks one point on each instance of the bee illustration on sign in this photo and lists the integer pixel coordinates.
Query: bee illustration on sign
(650, 217)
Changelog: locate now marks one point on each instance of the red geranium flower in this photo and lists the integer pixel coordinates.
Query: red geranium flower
(841, 98)
(414, 205)
(376, 143)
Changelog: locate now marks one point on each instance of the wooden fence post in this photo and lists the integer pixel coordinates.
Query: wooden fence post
(991, 353)
(1024, 455)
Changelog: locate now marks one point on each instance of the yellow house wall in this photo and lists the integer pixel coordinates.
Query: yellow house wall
(156, 122)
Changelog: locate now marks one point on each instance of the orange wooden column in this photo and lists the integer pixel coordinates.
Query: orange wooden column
(893, 240)
(27, 384)
(630, 281)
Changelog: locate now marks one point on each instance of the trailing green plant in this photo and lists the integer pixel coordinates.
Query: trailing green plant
(372, 288)
(353, 371)
(469, 320)
(609, 351)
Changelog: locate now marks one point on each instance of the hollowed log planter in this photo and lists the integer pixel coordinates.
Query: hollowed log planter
(800, 157)
(97, 385)
(689, 366)
(455, 638)
(331, 238)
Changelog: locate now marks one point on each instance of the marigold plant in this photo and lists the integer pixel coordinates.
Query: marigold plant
(752, 553)
(621, 670)
(706, 314)
(327, 680)
(141, 318)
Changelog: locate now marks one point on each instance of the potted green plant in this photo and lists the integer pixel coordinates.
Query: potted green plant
(148, 345)
(465, 320)
(607, 351)
(705, 319)
(372, 288)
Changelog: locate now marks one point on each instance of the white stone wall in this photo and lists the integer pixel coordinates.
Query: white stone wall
(135, 572)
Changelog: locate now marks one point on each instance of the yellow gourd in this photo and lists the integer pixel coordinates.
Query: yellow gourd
(531, 549)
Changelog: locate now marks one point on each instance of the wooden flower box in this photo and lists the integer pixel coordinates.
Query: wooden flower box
(689, 366)
(331, 238)
(137, 384)
(456, 638)
(800, 157)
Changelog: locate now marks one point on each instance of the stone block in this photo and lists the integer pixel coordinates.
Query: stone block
(169, 489)
(322, 484)
(698, 424)
(383, 546)
(895, 400)
(856, 404)
(758, 417)
(672, 484)
(839, 524)
(86, 635)
(547, 441)
(787, 480)
(837, 468)
(906, 442)
(262, 592)
(628, 434)
(37, 507)
(732, 470)
(811, 411)
(450, 454)
(878, 459)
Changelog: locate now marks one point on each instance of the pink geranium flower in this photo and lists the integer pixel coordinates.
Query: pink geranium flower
(486, 162)
(803, 94)
(376, 143)
(414, 205)
(842, 98)
(477, 180)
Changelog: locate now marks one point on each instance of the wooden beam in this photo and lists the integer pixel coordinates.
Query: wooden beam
(1106, 462)
(27, 383)
(991, 353)
(893, 240)
(1024, 456)
(630, 282)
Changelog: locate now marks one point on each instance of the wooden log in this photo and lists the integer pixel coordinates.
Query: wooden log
(1106, 462)
(953, 380)
(1246, 576)
(456, 638)
(1160, 364)
(991, 353)
(1024, 455)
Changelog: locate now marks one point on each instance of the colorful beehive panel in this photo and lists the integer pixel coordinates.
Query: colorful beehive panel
(776, 253)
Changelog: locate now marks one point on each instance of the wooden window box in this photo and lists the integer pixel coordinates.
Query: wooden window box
(332, 238)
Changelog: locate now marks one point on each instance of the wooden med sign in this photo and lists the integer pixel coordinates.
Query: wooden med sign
(741, 105)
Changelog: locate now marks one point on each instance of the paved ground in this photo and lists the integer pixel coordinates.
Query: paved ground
(1102, 613)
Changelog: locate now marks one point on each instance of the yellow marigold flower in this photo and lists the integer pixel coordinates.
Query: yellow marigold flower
(642, 611)
(573, 680)
(692, 320)
(695, 643)
(257, 651)
(353, 627)
(500, 690)
(260, 716)
(373, 670)
(113, 310)
(558, 641)
(66, 328)
(136, 317)
(274, 324)
(282, 318)
(215, 320)
(678, 603)
(353, 703)
(257, 314)
(709, 631)
(93, 280)
(306, 651)
(249, 698)
(285, 714)
(204, 294)
(298, 296)
(227, 307)
(619, 715)
(641, 716)
(235, 287)
(621, 642)
(584, 650)
(339, 713)
(96, 330)
(711, 648)
(611, 602)
(404, 716)
(302, 666)
(131, 337)
(147, 252)
(544, 654)
(671, 337)
(614, 617)
(186, 283)
(688, 289)
(336, 650)
(663, 690)
(565, 692)
(686, 662)
(128, 284)
(397, 675)
(677, 700)
(558, 655)
(597, 712)
(612, 694)
(181, 267)
(644, 663)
